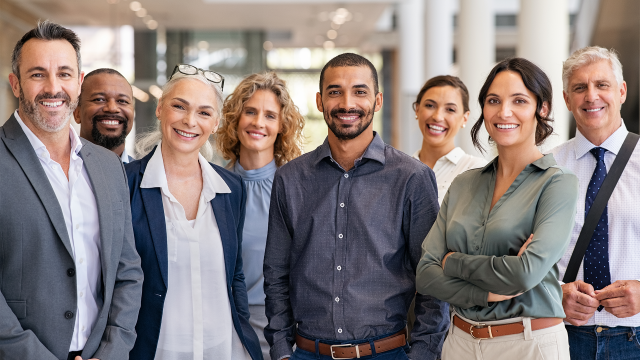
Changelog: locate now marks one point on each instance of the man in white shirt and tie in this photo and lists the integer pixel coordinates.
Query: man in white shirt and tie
(105, 110)
(603, 304)
(70, 277)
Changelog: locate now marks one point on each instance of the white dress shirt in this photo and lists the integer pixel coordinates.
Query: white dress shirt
(451, 165)
(78, 205)
(623, 210)
(196, 322)
(124, 157)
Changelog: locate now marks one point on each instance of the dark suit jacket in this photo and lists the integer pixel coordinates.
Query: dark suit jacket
(150, 232)
(37, 271)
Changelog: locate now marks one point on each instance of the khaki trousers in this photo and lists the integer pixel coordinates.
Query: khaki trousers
(546, 344)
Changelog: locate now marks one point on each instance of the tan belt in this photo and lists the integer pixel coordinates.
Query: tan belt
(353, 351)
(483, 331)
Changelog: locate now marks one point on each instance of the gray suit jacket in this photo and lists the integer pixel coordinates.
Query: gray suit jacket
(37, 271)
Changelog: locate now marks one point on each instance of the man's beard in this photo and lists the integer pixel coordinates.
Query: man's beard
(43, 119)
(350, 131)
(107, 141)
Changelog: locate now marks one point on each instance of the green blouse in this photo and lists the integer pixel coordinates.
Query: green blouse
(541, 201)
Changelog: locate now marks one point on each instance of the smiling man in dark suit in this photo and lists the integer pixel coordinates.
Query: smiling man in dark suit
(70, 277)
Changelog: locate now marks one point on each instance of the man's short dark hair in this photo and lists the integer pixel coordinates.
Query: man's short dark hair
(45, 30)
(351, 59)
(102, 71)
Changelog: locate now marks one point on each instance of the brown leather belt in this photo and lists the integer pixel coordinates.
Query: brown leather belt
(353, 351)
(490, 331)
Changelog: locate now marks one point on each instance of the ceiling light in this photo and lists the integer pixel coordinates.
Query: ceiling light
(152, 25)
(135, 6)
(332, 34)
(328, 45)
(335, 26)
(139, 94)
(146, 19)
(142, 12)
(268, 45)
(155, 91)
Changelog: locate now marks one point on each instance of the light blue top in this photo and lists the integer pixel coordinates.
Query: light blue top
(254, 237)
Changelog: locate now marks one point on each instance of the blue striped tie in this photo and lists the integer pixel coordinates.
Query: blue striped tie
(596, 258)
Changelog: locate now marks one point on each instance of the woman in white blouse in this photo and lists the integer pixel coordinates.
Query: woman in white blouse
(187, 216)
(442, 109)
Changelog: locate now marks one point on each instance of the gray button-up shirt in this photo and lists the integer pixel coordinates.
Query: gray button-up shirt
(343, 247)
(540, 201)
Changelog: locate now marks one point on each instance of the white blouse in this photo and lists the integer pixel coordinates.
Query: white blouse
(451, 165)
(196, 321)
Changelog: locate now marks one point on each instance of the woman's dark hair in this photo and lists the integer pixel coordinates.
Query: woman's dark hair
(444, 80)
(535, 80)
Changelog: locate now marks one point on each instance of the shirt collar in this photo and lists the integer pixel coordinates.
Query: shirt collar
(124, 157)
(155, 177)
(375, 150)
(455, 155)
(38, 145)
(543, 163)
(612, 144)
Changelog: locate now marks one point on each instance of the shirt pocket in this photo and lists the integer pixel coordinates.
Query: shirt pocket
(172, 242)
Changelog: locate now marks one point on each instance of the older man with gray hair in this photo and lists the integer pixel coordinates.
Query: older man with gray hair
(600, 271)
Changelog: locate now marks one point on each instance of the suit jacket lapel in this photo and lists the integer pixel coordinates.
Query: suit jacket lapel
(224, 214)
(19, 145)
(152, 200)
(103, 202)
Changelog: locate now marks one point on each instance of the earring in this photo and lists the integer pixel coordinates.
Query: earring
(416, 117)
(464, 125)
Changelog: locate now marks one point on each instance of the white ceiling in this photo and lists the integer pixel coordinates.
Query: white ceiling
(302, 18)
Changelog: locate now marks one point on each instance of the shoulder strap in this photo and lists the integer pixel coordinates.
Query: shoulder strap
(600, 202)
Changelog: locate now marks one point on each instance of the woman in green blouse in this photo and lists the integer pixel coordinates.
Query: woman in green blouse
(493, 249)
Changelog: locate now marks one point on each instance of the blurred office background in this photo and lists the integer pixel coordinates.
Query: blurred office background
(408, 41)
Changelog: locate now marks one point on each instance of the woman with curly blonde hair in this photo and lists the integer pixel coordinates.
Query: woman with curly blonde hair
(262, 130)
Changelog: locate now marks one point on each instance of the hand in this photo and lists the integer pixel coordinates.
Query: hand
(446, 256)
(524, 246)
(496, 298)
(621, 299)
(579, 302)
(80, 358)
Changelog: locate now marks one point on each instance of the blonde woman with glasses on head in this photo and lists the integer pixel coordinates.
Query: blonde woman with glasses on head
(262, 130)
(188, 217)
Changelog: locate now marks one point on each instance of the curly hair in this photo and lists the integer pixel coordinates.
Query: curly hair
(288, 143)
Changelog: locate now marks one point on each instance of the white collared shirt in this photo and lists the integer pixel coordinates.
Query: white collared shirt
(78, 204)
(124, 157)
(196, 322)
(623, 210)
(451, 165)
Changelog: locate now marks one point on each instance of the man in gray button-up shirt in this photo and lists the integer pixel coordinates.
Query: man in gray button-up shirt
(346, 225)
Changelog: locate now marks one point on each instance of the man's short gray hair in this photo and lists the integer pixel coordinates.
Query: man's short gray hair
(45, 30)
(589, 55)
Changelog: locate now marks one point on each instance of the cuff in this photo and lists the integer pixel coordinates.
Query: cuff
(453, 264)
(281, 350)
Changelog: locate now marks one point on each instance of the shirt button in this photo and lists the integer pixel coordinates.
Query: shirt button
(477, 247)
(339, 268)
(341, 204)
(346, 176)
(339, 330)
(81, 260)
(81, 294)
(68, 315)
(82, 328)
(337, 299)
(340, 236)
(77, 226)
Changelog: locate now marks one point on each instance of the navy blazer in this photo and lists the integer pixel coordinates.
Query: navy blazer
(150, 233)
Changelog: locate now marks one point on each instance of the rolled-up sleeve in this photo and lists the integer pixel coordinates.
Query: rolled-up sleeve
(510, 275)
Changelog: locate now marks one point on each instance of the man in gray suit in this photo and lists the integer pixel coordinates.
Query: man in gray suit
(70, 277)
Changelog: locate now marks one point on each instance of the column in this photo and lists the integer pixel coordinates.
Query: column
(426, 47)
(476, 52)
(411, 30)
(543, 38)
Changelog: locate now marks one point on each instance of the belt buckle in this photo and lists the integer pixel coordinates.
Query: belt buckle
(344, 345)
(480, 325)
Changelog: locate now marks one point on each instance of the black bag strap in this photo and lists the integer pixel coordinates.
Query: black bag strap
(600, 202)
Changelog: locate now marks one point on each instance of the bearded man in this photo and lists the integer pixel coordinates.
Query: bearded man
(70, 276)
(346, 224)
